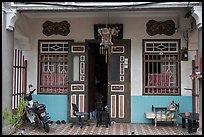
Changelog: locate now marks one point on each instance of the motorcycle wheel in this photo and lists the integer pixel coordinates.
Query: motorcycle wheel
(46, 127)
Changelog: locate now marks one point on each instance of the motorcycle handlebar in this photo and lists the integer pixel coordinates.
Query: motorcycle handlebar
(31, 92)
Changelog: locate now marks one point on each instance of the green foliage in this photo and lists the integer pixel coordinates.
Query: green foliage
(15, 119)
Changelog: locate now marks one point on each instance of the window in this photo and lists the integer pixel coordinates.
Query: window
(53, 67)
(161, 65)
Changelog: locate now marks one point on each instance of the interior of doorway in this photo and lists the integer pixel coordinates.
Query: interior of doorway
(97, 78)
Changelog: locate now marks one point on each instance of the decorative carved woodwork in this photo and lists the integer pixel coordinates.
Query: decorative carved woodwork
(61, 28)
(117, 88)
(158, 27)
(77, 87)
(117, 49)
(78, 49)
(116, 26)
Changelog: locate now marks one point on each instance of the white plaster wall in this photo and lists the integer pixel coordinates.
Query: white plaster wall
(83, 28)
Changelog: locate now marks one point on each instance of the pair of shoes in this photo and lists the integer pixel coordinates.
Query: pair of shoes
(58, 122)
(50, 121)
(63, 121)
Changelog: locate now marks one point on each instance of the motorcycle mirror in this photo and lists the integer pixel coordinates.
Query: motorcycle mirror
(30, 85)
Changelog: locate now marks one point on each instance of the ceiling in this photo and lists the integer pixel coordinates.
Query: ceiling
(101, 9)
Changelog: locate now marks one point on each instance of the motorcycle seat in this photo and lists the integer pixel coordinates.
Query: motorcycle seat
(40, 106)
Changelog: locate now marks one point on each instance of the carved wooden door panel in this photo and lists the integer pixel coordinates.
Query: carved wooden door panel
(119, 81)
(77, 78)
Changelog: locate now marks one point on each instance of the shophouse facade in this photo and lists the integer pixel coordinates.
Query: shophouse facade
(149, 63)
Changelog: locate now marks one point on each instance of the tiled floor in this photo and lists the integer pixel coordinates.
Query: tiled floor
(114, 129)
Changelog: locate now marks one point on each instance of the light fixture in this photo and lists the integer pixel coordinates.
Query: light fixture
(106, 38)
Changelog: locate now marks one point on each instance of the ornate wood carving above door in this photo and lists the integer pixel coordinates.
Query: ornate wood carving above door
(61, 28)
(158, 27)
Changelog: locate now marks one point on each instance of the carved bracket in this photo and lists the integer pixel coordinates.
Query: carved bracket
(197, 14)
(11, 17)
(61, 28)
(158, 27)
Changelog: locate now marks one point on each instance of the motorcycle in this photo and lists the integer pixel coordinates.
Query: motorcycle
(35, 112)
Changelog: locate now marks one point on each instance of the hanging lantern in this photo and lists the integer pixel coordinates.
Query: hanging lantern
(106, 38)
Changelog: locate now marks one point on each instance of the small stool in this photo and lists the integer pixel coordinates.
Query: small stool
(102, 117)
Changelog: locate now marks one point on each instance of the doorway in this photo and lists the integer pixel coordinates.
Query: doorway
(109, 78)
(97, 77)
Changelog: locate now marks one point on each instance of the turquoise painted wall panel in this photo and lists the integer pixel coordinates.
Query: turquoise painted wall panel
(56, 105)
(141, 104)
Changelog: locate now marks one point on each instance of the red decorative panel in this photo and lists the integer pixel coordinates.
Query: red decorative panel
(113, 106)
(81, 103)
(161, 79)
(73, 100)
(55, 79)
(121, 106)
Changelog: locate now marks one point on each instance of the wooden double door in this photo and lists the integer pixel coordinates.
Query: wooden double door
(99, 75)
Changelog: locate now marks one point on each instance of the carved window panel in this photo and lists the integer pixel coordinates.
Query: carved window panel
(82, 67)
(78, 49)
(82, 58)
(122, 70)
(121, 106)
(113, 106)
(82, 78)
(81, 103)
(122, 78)
(77, 87)
(73, 100)
(117, 88)
(122, 58)
(117, 49)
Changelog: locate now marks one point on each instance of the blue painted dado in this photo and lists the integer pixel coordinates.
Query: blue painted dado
(56, 105)
(141, 104)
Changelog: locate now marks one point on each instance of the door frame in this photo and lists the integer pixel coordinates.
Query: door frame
(126, 42)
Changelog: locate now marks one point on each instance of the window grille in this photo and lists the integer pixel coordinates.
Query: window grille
(53, 67)
(161, 67)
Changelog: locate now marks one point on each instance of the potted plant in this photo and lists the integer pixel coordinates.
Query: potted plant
(15, 119)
